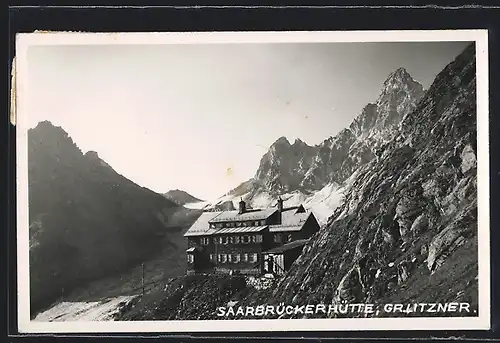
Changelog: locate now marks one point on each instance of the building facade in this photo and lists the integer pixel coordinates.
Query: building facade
(242, 241)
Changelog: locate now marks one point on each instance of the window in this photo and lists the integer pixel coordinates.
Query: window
(245, 257)
(277, 238)
(259, 238)
(219, 258)
(289, 237)
(224, 258)
(253, 239)
(225, 241)
(204, 240)
(245, 239)
(230, 258)
(237, 239)
(211, 257)
(215, 240)
(236, 258)
(253, 257)
(190, 258)
(262, 222)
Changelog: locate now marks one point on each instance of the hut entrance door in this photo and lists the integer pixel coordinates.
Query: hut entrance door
(269, 264)
(274, 264)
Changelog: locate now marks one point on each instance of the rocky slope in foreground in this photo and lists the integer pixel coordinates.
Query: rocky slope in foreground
(406, 231)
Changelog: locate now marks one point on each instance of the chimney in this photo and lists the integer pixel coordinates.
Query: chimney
(280, 204)
(280, 209)
(242, 207)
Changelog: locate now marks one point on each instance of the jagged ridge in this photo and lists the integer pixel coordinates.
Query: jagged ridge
(297, 171)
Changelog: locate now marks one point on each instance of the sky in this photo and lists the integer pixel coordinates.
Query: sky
(199, 117)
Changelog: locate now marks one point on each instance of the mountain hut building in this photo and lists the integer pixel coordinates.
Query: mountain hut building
(249, 241)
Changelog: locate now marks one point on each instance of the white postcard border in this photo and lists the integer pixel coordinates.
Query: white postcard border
(482, 322)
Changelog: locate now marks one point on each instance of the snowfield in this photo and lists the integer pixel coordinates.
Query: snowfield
(323, 203)
(84, 311)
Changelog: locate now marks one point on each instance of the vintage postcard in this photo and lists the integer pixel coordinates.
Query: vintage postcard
(270, 181)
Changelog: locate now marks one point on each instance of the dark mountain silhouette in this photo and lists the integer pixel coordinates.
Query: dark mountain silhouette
(86, 220)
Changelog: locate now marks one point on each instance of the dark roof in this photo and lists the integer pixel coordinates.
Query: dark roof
(288, 246)
(291, 220)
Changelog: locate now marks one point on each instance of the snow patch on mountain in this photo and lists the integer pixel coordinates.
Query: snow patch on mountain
(84, 311)
(325, 201)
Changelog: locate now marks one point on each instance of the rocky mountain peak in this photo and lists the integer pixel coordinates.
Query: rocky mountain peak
(52, 139)
(46, 124)
(399, 77)
(282, 167)
(399, 74)
(299, 142)
(400, 86)
(297, 166)
(339, 156)
(49, 131)
(282, 141)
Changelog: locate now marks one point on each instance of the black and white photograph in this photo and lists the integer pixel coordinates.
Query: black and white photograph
(200, 182)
